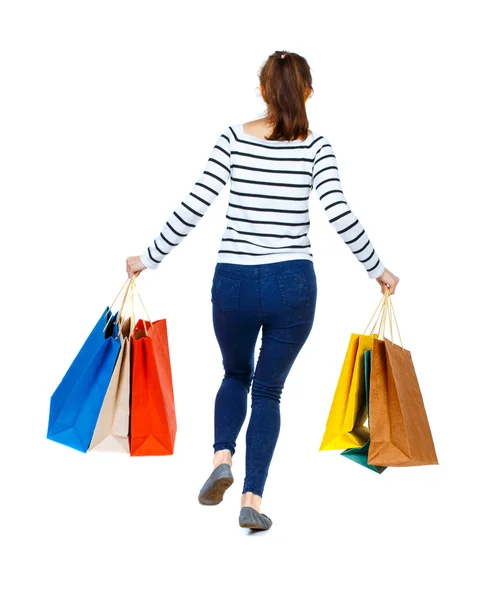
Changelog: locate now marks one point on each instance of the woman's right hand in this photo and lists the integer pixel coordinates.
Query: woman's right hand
(388, 281)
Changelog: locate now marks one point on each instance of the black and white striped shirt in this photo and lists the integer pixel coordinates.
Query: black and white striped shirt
(267, 217)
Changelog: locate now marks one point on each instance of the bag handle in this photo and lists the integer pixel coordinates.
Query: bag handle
(120, 314)
(120, 320)
(127, 283)
(391, 306)
(385, 308)
(133, 286)
(130, 286)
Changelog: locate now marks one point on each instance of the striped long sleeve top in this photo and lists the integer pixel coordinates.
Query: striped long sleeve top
(267, 215)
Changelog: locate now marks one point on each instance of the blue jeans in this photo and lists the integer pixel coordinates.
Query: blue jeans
(280, 299)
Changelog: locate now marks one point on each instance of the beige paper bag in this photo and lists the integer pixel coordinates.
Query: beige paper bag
(111, 432)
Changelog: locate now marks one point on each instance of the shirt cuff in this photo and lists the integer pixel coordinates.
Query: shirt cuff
(376, 272)
(147, 262)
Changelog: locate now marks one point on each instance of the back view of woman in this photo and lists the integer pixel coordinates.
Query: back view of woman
(264, 278)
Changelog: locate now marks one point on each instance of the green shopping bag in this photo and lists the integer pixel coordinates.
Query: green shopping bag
(360, 455)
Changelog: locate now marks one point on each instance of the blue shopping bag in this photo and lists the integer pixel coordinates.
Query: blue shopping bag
(76, 403)
(360, 455)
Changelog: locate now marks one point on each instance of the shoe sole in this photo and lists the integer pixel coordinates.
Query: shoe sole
(215, 493)
(252, 526)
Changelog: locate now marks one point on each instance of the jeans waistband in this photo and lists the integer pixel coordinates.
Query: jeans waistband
(286, 266)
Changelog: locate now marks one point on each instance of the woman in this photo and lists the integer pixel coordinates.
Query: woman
(264, 277)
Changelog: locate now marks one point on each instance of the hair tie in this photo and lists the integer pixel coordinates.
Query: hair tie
(283, 55)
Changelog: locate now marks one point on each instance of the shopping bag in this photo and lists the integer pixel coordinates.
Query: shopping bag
(76, 402)
(111, 431)
(360, 455)
(345, 424)
(152, 408)
(400, 433)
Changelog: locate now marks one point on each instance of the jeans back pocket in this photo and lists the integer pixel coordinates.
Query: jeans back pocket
(225, 292)
(294, 288)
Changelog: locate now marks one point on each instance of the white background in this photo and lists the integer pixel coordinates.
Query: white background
(108, 112)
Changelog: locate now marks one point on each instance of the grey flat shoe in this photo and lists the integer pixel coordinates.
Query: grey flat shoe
(249, 517)
(218, 482)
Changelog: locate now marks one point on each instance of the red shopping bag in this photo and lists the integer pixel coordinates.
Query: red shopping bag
(152, 407)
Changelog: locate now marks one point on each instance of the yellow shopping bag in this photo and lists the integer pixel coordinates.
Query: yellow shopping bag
(345, 424)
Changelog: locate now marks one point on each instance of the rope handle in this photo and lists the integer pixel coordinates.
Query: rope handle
(120, 319)
(130, 284)
(386, 309)
(134, 289)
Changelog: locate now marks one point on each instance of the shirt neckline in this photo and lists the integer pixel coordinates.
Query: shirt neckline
(290, 142)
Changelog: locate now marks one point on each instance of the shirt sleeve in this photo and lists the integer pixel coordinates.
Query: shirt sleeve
(325, 180)
(189, 212)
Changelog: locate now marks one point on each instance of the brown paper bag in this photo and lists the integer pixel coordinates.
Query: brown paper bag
(400, 434)
(111, 432)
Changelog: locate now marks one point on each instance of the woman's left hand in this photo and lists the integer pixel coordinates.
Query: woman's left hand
(134, 266)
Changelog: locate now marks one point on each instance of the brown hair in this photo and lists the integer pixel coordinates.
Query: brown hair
(285, 77)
